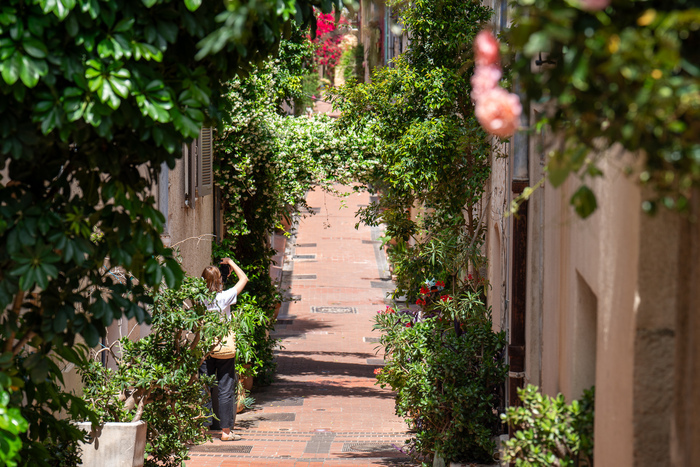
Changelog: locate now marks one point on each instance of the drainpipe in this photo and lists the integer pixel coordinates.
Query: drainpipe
(387, 33)
(163, 195)
(520, 179)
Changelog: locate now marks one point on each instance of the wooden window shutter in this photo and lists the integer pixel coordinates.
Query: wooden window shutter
(205, 160)
(189, 158)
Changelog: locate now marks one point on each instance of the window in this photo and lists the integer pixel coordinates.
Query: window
(199, 167)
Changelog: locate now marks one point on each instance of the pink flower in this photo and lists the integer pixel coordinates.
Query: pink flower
(485, 78)
(594, 5)
(498, 111)
(486, 49)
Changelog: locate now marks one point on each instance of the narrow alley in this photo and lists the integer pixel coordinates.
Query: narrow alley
(323, 407)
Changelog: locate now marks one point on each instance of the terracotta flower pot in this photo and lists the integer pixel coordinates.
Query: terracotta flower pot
(277, 310)
(241, 405)
(247, 381)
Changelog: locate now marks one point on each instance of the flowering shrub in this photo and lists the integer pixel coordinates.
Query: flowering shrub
(266, 162)
(328, 39)
(447, 374)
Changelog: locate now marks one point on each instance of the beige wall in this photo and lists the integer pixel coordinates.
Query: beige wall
(612, 300)
(602, 295)
(189, 230)
(590, 271)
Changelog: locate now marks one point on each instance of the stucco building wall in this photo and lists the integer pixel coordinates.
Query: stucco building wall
(189, 229)
(604, 296)
(590, 270)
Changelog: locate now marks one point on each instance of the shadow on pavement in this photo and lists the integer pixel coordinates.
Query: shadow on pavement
(282, 390)
(292, 365)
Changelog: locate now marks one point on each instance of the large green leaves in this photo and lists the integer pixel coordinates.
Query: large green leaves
(110, 82)
(95, 95)
(155, 101)
(12, 424)
(22, 58)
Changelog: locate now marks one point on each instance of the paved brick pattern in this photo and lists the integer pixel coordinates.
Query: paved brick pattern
(323, 408)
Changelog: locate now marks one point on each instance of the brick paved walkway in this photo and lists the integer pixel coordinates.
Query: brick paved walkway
(323, 408)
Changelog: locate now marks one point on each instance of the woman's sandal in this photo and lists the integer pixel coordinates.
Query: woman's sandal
(230, 437)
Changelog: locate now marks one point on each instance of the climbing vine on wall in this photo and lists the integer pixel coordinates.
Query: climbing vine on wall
(266, 163)
(444, 361)
(434, 155)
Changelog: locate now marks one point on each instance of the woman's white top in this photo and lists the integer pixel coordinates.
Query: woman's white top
(223, 302)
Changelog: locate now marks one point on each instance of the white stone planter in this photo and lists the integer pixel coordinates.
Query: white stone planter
(114, 444)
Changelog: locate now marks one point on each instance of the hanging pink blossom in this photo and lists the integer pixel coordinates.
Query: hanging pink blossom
(484, 79)
(498, 111)
(486, 49)
(594, 5)
(328, 39)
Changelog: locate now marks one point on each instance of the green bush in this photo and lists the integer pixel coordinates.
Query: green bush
(550, 432)
(348, 62)
(253, 312)
(447, 375)
(11, 425)
(157, 378)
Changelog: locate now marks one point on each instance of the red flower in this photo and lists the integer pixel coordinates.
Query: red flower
(440, 284)
(424, 290)
(470, 277)
(377, 371)
(420, 301)
(445, 298)
(408, 325)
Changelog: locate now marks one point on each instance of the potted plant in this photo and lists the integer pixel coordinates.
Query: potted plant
(253, 344)
(153, 402)
(444, 362)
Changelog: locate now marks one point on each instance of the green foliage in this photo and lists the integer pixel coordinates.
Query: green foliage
(447, 374)
(266, 163)
(444, 361)
(311, 89)
(434, 154)
(626, 75)
(351, 62)
(550, 432)
(445, 251)
(11, 425)
(157, 376)
(94, 97)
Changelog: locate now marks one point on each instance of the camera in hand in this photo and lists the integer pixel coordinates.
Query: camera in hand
(225, 270)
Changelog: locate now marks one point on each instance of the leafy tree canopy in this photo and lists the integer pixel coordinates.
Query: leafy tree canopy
(433, 152)
(94, 97)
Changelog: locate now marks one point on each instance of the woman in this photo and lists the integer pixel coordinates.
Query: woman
(224, 395)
